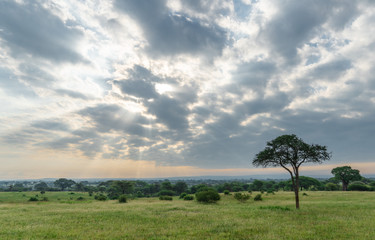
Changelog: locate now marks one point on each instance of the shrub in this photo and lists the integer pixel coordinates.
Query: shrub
(358, 187)
(167, 193)
(258, 197)
(100, 197)
(207, 196)
(331, 187)
(305, 194)
(182, 195)
(226, 192)
(270, 192)
(80, 199)
(189, 197)
(42, 192)
(33, 199)
(122, 198)
(168, 198)
(242, 197)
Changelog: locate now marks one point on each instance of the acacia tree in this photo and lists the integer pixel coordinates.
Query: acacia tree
(290, 152)
(346, 174)
(64, 183)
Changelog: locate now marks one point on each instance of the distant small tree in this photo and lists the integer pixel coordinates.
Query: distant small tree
(42, 186)
(118, 188)
(79, 187)
(180, 187)
(166, 185)
(346, 174)
(308, 182)
(290, 152)
(257, 185)
(63, 183)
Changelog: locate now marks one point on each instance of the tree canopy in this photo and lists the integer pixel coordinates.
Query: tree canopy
(64, 183)
(290, 152)
(346, 174)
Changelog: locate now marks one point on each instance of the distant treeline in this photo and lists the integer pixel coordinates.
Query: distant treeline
(115, 188)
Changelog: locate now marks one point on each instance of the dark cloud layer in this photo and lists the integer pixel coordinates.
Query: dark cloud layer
(170, 34)
(29, 28)
(297, 22)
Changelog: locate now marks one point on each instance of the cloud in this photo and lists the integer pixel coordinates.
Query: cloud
(254, 74)
(12, 86)
(107, 117)
(50, 125)
(71, 93)
(170, 112)
(29, 28)
(171, 34)
(297, 22)
(140, 83)
(148, 96)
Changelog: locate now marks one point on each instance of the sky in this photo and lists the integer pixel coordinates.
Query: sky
(163, 88)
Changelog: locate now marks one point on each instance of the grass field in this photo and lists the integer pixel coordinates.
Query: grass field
(323, 215)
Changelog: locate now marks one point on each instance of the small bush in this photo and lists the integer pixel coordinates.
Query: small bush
(270, 192)
(33, 199)
(80, 198)
(100, 197)
(182, 195)
(226, 192)
(72, 193)
(207, 196)
(188, 198)
(44, 199)
(258, 197)
(331, 187)
(242, 197)
(305, 194)
(358, 187)
(122, 199)
(90, 193)
(42, 192)
(167, 198)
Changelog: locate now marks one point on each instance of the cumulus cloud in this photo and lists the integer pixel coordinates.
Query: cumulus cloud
(297, 22)
(29, 28)
(169, 34)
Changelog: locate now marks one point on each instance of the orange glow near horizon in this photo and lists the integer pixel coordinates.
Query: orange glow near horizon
(52, 165)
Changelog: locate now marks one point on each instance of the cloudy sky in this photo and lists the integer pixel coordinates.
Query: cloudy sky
(138, 88)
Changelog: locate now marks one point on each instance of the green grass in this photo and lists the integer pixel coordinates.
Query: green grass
(323, 215)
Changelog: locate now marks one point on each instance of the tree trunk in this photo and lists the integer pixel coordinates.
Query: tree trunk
(344, 186)
(296, 191)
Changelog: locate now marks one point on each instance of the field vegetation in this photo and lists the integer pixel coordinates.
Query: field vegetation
(77, 215)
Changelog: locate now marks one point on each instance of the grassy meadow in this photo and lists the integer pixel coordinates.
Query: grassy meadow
(323, 215)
